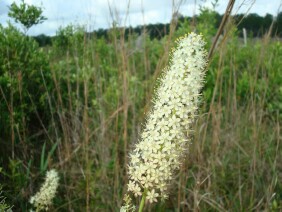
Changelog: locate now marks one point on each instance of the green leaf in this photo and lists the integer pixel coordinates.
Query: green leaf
(42, 164)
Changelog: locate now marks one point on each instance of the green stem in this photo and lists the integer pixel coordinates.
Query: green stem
(142, 203)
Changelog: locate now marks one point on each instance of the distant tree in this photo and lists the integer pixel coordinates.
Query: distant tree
(279, 24)
(266, 22)
(254, 23)
(43, 40)
(27, 15)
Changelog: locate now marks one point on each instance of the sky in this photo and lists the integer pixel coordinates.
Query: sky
(95, 14)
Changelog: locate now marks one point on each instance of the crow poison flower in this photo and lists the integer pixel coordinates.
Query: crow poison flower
(165, 136)
(43, 199)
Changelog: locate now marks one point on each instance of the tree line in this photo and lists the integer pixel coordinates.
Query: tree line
(255, 25)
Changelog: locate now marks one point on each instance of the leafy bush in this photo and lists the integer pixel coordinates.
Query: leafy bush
(25, 80)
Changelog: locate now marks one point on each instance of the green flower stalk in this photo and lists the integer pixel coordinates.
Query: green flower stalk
(43, 199)
(165, 137)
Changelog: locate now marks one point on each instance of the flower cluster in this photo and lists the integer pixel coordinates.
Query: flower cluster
(128, 206)
(43, 199)
(165, 137)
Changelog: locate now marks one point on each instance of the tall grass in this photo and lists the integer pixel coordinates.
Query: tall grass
(100, 91)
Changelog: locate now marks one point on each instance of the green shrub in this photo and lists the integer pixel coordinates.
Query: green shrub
(25, 81)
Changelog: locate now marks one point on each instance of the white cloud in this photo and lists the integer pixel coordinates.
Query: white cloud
(3, 8)
(96, 13)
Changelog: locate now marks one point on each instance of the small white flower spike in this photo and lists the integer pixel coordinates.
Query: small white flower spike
(43, 199)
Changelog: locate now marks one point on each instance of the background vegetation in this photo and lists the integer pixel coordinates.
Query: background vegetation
(256, 25)
(78, 103)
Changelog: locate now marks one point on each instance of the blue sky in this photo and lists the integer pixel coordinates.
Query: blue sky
(95, 14)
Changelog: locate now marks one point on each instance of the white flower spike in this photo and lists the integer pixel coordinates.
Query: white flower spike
(164, 139)
(43, 199)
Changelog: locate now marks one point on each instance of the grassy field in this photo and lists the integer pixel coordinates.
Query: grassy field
(78, 106)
